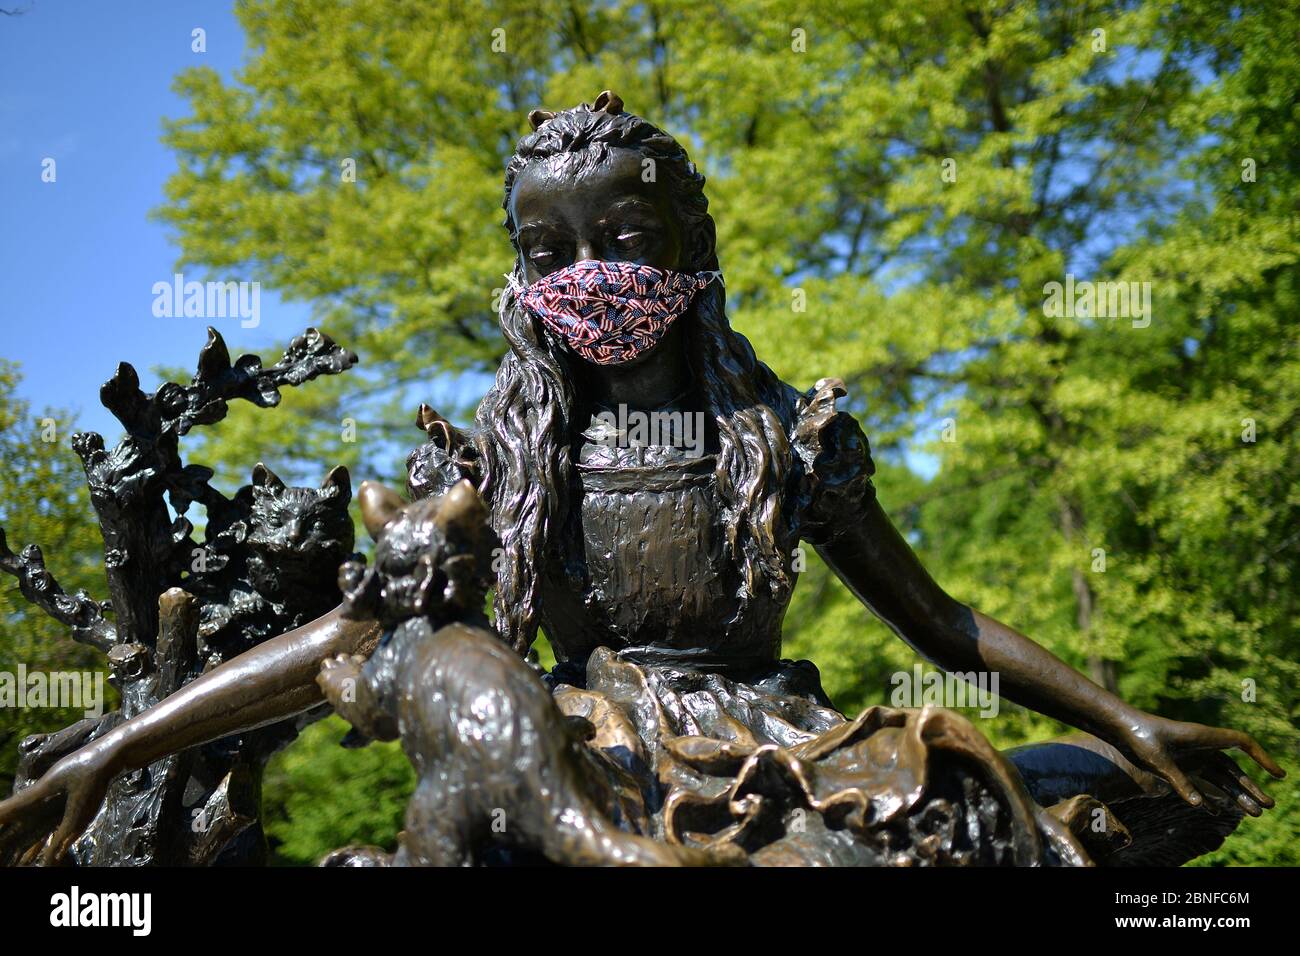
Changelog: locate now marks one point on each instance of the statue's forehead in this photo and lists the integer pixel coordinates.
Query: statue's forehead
(582, 174)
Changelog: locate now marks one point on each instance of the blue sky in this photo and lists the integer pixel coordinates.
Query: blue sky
(87, 83)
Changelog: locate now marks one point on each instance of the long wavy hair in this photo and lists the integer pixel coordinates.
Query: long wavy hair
(525, 423)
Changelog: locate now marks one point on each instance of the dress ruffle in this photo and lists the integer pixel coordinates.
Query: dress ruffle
(762, 765)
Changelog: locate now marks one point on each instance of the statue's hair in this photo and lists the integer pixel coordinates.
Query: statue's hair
(525, 422)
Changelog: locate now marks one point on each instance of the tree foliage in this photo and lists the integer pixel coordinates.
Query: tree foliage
(43, 501)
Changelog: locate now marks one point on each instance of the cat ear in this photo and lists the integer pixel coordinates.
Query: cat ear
(379, 506)
(440, 431)
(461, 511)
(537, 117)
(608, 101)
(264, 477)
(338, 482)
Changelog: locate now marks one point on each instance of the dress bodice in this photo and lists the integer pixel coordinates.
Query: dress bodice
(647, 565)
(642, 563)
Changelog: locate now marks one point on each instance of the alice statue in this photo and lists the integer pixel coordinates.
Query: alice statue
(670, 730)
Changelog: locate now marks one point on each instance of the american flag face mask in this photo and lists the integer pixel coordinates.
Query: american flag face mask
(610, 312)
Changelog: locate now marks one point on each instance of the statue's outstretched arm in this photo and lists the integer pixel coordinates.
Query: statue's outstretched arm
(274, 680)
(879, 566)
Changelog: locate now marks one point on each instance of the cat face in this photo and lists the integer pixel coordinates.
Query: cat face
(296, 527)
(433, 558)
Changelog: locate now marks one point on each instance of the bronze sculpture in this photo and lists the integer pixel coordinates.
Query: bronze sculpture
(661, 575)
(257, 571)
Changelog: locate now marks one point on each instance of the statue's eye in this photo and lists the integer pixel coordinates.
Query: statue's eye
(541, 256)
(630, 241)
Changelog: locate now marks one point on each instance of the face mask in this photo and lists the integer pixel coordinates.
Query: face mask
(611, 312)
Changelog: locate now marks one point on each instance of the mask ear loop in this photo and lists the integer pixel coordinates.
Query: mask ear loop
(513, 288)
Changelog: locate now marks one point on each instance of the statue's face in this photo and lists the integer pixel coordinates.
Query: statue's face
(566, 210)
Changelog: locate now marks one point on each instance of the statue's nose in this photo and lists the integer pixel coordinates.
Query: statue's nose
(586, 249)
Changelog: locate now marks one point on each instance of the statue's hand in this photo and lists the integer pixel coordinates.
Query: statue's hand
(349, 693)
(339, 680)
(1182, 754)
(39, 824)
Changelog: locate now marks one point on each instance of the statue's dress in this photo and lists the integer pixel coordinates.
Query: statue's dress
(703, 732)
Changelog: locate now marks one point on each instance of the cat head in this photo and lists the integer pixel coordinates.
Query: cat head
(433, 558)
(294, 529)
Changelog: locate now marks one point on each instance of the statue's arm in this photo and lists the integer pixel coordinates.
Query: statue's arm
(272, 681)
(275, 680)
(876, 563)
(879, 566)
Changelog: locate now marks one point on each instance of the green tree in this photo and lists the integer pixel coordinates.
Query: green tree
(900, 182)
(320, 797)
(43, 501)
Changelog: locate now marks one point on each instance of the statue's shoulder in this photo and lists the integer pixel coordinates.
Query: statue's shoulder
(835, 479)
